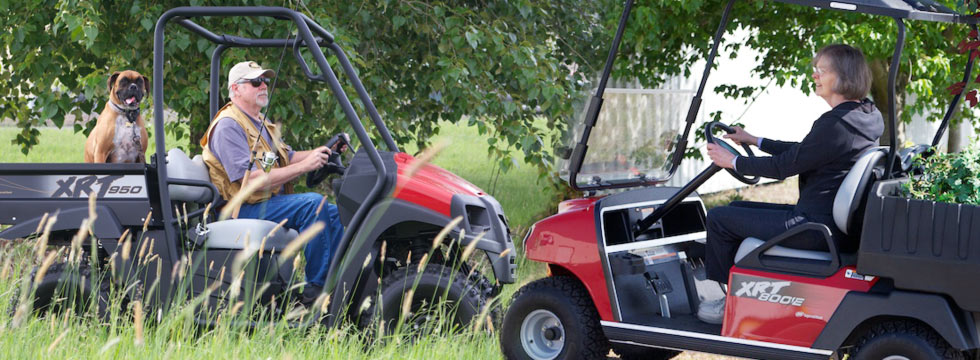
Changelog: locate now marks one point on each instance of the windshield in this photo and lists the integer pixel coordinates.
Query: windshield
(635, 136)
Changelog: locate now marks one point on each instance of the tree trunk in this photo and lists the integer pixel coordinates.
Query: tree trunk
(953, 142)
(879, 93)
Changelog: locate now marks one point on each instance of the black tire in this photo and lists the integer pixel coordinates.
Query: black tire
(627, 352)
(437, 285)
(902, 338)
(578, 327)
(63, 287)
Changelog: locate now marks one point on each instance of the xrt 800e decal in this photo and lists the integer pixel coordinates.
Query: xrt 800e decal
(778, 292)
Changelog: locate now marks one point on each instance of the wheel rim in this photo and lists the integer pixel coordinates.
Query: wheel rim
(895, 357)
(537, 328)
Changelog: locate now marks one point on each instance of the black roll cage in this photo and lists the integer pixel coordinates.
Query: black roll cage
(306, 28)
(925, 10)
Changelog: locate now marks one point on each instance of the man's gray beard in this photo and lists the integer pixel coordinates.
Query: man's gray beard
(262, 102)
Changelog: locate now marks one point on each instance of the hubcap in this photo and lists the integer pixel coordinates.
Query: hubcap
(542, 335)
(896, 357)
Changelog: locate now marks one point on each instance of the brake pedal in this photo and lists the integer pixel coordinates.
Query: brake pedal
(661, 287)
(659, 282)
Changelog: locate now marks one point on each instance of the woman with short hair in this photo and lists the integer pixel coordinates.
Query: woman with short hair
(822, 159)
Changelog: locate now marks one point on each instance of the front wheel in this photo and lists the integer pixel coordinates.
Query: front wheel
(553, 318)
(903, 340)
(441, 298)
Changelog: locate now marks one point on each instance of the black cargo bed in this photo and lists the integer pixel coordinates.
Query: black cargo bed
(922, 245)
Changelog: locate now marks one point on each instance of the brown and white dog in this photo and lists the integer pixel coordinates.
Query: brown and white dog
(119, 135)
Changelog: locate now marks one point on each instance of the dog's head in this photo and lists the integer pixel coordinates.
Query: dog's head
(127, 88)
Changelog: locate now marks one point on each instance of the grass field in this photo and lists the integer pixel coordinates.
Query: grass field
(523, 198)
(66, 337)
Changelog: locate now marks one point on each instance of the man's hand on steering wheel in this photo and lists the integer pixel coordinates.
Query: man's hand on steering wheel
(333, 164)
(339, 143)
(317, 159)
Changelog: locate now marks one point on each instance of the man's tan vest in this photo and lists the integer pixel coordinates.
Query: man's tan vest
(217, 172)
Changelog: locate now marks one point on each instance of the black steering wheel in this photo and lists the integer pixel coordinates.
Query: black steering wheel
(708, 134)
(337, 145)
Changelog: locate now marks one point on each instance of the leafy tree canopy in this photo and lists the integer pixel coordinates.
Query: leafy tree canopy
(665, 37)
(499, 64)
(502, 64)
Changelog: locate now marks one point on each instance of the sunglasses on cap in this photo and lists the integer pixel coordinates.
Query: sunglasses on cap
(256, 82)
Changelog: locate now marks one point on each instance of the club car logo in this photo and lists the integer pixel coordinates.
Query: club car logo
(777, 292)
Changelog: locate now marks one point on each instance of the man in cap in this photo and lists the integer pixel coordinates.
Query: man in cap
(238, 131)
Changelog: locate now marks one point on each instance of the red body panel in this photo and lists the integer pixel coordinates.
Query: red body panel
(577, 203)
(569, 240)
(430, 186)
(785, 309)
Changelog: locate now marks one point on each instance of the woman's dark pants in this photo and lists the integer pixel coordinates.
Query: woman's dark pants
(729, 225)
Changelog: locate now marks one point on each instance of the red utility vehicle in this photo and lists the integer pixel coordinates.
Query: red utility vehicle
(625, 270)
(391, 218)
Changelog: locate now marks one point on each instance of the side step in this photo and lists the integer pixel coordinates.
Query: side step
(694, 341)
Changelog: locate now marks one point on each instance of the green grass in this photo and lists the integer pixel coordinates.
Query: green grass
(522, 195)
(523, 198)
(57, 146)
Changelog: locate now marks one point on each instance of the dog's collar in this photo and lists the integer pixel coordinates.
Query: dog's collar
(131, 112)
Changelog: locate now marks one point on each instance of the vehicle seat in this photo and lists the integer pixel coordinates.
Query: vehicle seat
(848, 209)
(179, 166)
(225, 234)
(236, 234)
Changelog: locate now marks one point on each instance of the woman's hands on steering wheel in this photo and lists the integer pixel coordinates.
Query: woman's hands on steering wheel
(742, 137)
(722, 154)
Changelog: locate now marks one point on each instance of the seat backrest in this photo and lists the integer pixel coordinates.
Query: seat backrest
(179, 166)
(852, 195)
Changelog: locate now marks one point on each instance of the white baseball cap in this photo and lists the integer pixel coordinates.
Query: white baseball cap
(247, 70)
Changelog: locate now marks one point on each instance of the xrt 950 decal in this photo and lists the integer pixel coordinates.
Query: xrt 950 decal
(73, 186)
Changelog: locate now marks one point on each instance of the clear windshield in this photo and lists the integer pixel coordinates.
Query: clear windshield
(635, 136)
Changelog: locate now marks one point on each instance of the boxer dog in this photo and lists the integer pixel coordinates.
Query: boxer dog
(119, 135)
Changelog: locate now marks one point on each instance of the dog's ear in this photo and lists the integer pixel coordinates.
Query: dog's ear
(112, 81)
(146, 84)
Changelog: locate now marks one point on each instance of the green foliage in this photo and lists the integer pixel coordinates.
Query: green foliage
(499, 62)
(665, 38)
(949, 178)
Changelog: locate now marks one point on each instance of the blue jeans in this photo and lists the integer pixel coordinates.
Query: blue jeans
(300, 209)
(728, 225)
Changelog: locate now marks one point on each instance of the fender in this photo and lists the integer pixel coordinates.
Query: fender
(953, 324)
(568, 240)
(390, 212)
(106, 224)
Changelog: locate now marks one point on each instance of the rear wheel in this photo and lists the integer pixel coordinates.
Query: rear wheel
(903, 340)
(553, 318)
(63, 287)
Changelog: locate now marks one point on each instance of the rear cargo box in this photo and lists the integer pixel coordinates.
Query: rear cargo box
(922, 245)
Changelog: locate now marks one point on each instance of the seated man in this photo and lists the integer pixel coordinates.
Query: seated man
(228, 147)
